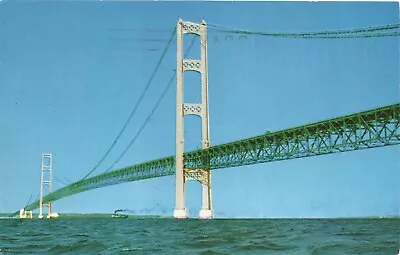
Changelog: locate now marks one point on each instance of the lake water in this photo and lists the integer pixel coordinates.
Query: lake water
(104, 235)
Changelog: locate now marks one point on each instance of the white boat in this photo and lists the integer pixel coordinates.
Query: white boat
(119, 214)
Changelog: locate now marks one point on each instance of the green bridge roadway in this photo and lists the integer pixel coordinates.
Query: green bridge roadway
(369, 129)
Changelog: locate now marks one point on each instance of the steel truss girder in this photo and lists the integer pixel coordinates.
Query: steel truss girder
(370, 129)
(150, 169)
(374, 128)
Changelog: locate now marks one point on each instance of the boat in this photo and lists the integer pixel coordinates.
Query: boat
(119, 214)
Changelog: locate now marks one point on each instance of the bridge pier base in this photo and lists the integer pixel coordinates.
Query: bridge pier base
(206, 214)
(181, 213)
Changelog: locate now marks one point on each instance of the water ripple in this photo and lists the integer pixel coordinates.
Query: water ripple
(169, 236)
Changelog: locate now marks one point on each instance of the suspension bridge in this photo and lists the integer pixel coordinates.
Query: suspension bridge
(369, 129)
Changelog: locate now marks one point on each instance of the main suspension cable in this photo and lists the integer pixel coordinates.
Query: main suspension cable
(334, 34)
(136, 106)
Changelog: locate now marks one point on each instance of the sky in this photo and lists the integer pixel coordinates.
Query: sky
(71, 73)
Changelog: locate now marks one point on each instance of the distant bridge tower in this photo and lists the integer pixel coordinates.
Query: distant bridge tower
(45, 183)
(201, 110)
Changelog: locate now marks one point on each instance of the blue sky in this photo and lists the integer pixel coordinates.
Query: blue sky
(71, 72)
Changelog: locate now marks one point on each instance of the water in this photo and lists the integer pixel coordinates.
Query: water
(104, 235)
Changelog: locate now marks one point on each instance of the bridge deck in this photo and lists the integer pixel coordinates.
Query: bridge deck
(363, 130)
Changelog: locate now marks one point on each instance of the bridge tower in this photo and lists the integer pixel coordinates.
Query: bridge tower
(201, 110)
(45, 183)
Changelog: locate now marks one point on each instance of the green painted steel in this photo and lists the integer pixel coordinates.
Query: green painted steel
(370, 129)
